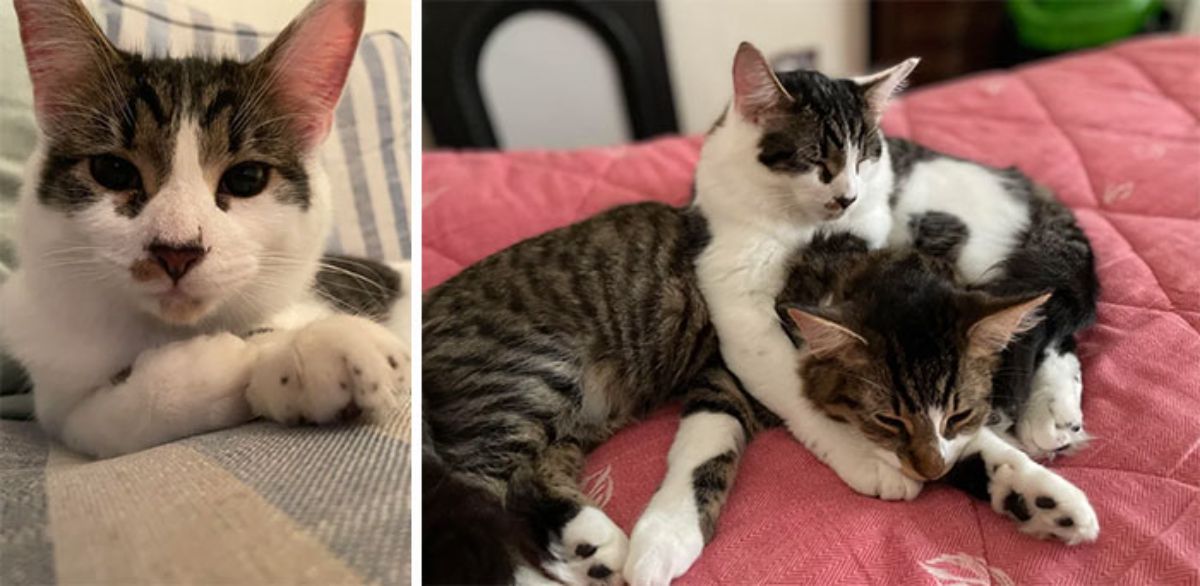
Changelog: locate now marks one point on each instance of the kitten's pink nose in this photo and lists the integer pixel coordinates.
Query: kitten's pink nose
(177, 260)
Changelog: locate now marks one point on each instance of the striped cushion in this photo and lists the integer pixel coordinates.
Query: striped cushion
(367, 153)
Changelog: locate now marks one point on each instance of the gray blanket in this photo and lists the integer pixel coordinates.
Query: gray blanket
(258, 504)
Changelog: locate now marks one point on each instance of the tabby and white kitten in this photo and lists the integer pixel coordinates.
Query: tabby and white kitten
(793, 153)
(172, 208)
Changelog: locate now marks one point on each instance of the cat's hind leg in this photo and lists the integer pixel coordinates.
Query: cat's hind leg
(1051, 421)
(681, 517)
(582, 546)
(1042, 503)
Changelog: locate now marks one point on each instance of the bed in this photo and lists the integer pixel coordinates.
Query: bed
(1116, 133)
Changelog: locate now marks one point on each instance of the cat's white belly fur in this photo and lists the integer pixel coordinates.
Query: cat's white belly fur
(975, 195)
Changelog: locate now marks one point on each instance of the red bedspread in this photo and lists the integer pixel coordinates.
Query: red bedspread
(1116, 133)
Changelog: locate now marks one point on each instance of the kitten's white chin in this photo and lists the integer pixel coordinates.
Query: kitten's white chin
(178, 308)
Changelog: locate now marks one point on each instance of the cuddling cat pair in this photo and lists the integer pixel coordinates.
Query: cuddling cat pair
(908, 316)
(170, 236)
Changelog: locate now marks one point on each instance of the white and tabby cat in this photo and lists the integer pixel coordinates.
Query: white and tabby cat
(171, 224)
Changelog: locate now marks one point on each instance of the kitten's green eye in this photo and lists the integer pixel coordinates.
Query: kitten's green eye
(889, 421)
(114, 173)
(245, 179)
(958, 418)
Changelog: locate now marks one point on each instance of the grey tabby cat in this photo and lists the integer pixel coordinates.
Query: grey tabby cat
(171, 280)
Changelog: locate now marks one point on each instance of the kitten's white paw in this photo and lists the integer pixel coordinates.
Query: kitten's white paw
(328, 368)
(663, 546)
(1052, 421)
(215, 367)
(1043, 503)
(591, 552)
(867, 474)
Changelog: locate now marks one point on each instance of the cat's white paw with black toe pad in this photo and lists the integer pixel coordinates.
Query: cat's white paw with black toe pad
(591, 552)
(333, 367)
(1052, 421)
(1043, 503)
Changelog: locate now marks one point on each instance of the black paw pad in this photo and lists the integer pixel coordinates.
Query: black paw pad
(585, 550)
(1045, 502)
(599, 572)
(1014, 503)
(1065, 522)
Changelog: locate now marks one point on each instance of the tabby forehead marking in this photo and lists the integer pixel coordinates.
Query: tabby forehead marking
(135, 110)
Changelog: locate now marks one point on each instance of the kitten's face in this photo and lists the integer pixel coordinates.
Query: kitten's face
(801, 141)
(908, 361)
(818, 146)
(184, 184)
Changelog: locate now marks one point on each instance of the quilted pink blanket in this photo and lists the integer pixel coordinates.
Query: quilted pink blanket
(1116, 133)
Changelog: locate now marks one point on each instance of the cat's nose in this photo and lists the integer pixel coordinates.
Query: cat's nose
(177, 260)
(845, 200)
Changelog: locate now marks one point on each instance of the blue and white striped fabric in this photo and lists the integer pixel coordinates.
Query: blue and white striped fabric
(367, 152)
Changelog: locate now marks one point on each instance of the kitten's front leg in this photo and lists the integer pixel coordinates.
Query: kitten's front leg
(1043, 503)
(327, 368)
(1051, 421)
(682, 516)
(170, 392)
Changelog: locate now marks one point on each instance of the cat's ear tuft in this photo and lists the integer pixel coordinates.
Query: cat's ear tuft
(822, 335)
(309, 61)
(879, 88)
(1002, 321)
(756, 90)
(63, 45)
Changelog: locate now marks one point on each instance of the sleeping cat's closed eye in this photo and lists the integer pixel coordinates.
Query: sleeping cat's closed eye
(894, 423)
(959, 418)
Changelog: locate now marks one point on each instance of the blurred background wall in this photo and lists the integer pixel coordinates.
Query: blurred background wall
(393, 15)
(547, 77)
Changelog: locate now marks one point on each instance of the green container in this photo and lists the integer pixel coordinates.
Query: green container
(1064, 25)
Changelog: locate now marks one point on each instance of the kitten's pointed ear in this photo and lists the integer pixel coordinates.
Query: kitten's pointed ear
(879, 88)
(822, 335)
(1002, 321)
(63, 46)
(308, 62)
(756, 90)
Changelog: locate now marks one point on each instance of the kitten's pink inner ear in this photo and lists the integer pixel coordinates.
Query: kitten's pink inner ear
(822, 336)
(756, 90)
(992, 333)
(879, 88)
(310, 60)
(62, 45)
